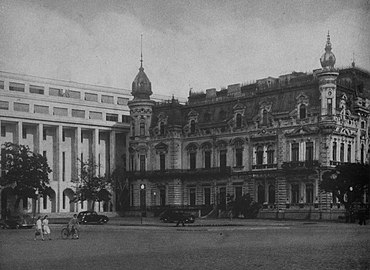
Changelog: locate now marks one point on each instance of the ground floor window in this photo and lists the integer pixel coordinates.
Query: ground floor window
(295, 193)
(162, 196)
(207, 196)
(192, 193)
(271, 194)
(309, 193)
(261, 194)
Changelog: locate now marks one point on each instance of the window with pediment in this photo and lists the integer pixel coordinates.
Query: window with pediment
(270, 154)
(238, 145)
(192, 151)
(302, 111)
(295, 152)
(309, 151)
(259, 155)
(142, 128)
(192, 126)
(238, 120)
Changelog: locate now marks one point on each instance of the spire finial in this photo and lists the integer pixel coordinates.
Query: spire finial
(141, 52)
(353, 59)
(328, 43)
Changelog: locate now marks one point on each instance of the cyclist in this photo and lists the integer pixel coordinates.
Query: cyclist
(73, 225)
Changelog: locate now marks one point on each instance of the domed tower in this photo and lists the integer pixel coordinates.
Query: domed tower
(327, 80)
(141, 114)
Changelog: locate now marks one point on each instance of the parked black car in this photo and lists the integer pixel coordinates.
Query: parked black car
(87, 217)
(17, 223)
(176, 215)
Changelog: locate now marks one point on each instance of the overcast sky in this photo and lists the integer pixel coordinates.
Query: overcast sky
(199, 44)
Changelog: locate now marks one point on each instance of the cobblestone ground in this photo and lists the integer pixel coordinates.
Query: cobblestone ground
(261, 245)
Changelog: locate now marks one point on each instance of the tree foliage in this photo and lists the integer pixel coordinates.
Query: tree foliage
(27, 172)
(121, 189)
(90, 186)
(347, 182)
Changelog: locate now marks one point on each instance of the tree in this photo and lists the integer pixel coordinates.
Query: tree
(26, 172)
(90, 186)
(243, 205)
(347, 182)
(121, 189)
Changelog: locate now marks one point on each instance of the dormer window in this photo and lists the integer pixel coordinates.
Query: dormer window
(302, 111)
(192, 126)
(161, 128)
(238, 120)
(264, 117)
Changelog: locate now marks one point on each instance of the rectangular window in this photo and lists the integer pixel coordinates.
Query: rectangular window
(295, 193)
(295, 152)
(193, 160)
(122, 101)
(111, 117)
(18, 87)
(3, 131)
(24, 133)
(107, 99)
(330, 106)
(309, 193)
(2, 85)
(259, 155)
(334, 151)
(41, 109)
(207, 196)
(96, 115)
(63, 135)
(44, 154)
(162, 162)
(239, 157)
(74, 94)
(63, 166)
(223, 159)
(341, 152)
(309, 151)
(270, 156)
(4, 105)
(54, 91)
(78, 113)
(91, 97)
(192, 196)
(21, 107)
(34, 89)
(60, 111)
(207, 159)
(44, 134)
(142, 163)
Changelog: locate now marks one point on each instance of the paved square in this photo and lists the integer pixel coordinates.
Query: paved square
(283, 245)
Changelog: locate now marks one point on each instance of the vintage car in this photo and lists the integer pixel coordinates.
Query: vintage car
(91, 217)
(176, 215)
(18, 223)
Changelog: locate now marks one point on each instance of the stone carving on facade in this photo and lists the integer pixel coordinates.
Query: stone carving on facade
(161, 148)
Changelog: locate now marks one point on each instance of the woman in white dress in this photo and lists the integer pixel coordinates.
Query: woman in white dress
(45, 227)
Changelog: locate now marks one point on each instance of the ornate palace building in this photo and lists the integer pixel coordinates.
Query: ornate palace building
(272, 139)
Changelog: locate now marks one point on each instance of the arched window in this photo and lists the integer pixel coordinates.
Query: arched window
(161, 128)
(271, 194)
(264, 117)
(342, 152)
(192, 126)
(238, 120)
(259, 155)
(142, 129)
(302, 111)
(349, 153)
(334, 151)
(270, 154)
(261, 194)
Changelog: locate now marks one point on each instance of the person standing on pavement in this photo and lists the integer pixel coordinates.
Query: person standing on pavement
(39, 229)
(45, 227)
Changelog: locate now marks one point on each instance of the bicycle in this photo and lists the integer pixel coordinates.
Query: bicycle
(66, 233)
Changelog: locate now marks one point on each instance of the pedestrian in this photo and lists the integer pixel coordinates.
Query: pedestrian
(362, 215)
(38, 230)
(45, 226)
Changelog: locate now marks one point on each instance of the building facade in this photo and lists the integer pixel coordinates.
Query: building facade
(272, 139)
(66, 122)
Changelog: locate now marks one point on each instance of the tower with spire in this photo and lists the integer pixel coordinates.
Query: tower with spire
(327, 80)
(141, 116)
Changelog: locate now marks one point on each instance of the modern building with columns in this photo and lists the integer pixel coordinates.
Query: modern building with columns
(273, 139)
(66, 122)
